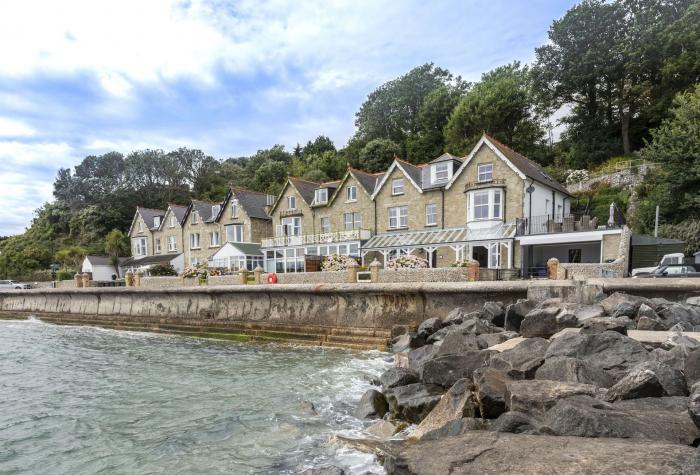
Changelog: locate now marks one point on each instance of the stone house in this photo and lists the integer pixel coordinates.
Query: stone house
(201, 232)
(167, 239)
(146, 221)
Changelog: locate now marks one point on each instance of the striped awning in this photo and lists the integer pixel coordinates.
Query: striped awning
(440, 237)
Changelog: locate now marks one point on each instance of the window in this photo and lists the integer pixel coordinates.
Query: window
(156, 222)
(140, 226)
(213, 238)
(172, 244)
(234, 233)
(560, 211)
(172, 221)
(325, 225)
(351, 193)
(485, 172)
(398, 217)
(494, 256)
(486, 204)
(441, 172)
(140, 247)
(158, 246)
(575, 256)
(215, 210)
(397, 186)
(234, 209)
(291, 226)
(194, 241)
(321, 196)
(291, 202)
(352, 221)
(195, 217)
(546, 207)
(430, 214)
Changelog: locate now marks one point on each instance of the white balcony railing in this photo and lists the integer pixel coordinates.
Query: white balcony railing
(320, 238)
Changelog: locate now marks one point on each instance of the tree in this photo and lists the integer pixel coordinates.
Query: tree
(71, 257)
(116, 246)
(500, 105)
(270, 176)
(675, 184)
(319, 146)
(377, 155)
(433, 115)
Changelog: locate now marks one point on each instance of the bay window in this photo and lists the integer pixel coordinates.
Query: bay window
(486, 204)
(140, 247)
(398, 217)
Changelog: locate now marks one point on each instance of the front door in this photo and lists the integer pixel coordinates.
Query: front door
(481, 254)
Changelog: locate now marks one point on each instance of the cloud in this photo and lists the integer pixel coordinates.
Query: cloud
(15, 128)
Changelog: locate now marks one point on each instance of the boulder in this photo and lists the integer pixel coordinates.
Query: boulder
(418, 357)
(694, 404)
(494, 312)
(457, 342)
(651, 418)
(488, 340)
(515, 422)
(679, 339)
(589, 311)
(398, 330)
(567, 319)
(617, 299)
(648, 323)
(489, 453)
(372, 405)
(678, 313)
(394, 377)
(646, 311)
(693, 301)
(515, 313)
(406, 342)
(574, 370)
(457, 403)
(328, 470)
(645, 379)
(691, 366)
(457, 427)
(382, 429)
(490, 390)
(535, 397)
(445, 370)
(456, 316)
(602, 324)
(428, 327)
(521, 361)
(540, 322)
(692, 465)
(625, 310)
(612, 351)
(477, 326)
(414, 401)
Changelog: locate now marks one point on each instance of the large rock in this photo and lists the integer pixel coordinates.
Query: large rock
(693, 301)
(650, 324)
(617, 299)
(574, 370)
(540, 322)
(456, 316)
(691, 365)
(649, 379)
(457, 342)
(428, 327)
(478, 326)
(394, 377)
(521, 361)
(487, 340)
(382, 429)
(457, 427)
(490, 389)
(664, 419)
(372, 405)
(445, 370)
(602, 324)
(414, 401)
(457, 403)
(677, 313)
(418, 357)
(694, 404)
(515, 313)
(612, 351)
(646, 311)
(406, 342)
(516, 422)
(490, 453)
(589, 311)
(535, 397)
(494, 312)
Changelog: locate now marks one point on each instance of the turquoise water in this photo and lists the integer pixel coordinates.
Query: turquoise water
(89, 400)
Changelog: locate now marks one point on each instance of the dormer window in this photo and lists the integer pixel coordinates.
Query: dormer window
(215, 210)
(321, 196)
(234, 209)
(291, 202)
(156, 221)
(397, 186)
(485, 172)
(441, 172)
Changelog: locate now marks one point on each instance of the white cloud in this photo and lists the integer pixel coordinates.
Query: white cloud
(15, 128)
(22, 155)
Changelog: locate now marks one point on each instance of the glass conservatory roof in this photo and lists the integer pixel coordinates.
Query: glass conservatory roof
(440, 237)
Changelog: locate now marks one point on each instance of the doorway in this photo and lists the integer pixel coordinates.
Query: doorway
(481, 254)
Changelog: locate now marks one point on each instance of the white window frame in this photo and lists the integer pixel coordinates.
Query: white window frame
(141, 247)
(158, 248)
(321, 196)
(172, 221)
(156, 221)
(140, 226)
(484, 172)
(292, 226)
(214, 239)
(195, 242)
(325, 225)
(493, 205)
(352, 221)
(398, 217)
(291, 202)
(215, 210)
(440, 172)
(397, 186)
(195, 217)
(172, 243)
(234, 233)
(234, 208)
(431, 214)
(351, 194)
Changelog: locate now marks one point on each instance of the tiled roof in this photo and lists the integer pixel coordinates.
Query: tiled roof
(252, 202)
(178, 211)
(414, 171)
(445, 157)
(528, 168)
(305, 187)
(103, 260)
(148, 260)
(367, 180)
(147, 214)
(204, 208)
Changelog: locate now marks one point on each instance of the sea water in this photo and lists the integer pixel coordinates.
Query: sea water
(88, 400)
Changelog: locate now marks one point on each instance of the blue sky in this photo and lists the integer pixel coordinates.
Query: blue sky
(83, 77)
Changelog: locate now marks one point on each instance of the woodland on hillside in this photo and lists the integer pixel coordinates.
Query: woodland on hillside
(624, 74)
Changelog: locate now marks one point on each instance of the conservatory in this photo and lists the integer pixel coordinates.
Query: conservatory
(236, 256)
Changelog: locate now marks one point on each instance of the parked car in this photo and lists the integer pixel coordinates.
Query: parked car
(667, 260)
(673, 271)
(12, 284)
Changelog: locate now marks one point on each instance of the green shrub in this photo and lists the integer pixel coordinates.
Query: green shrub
(688, 231)
(162, 270)
(64, 275)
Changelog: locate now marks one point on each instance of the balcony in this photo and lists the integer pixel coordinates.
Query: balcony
(549, 224)
(320, 238)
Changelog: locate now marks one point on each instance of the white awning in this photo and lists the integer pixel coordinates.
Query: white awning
(440, 237)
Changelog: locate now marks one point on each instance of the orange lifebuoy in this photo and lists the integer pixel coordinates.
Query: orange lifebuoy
(271, 278)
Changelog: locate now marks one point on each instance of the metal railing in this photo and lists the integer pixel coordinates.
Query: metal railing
(319, 238)
(549, 224)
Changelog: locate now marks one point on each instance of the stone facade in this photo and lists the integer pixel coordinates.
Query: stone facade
(170, 231)
(200, 222)
(254, 229)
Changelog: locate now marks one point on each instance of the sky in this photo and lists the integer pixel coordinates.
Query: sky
(85, 77)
